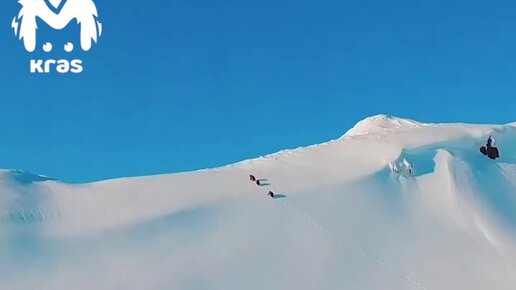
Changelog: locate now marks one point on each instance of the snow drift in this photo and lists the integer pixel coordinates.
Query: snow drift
(350, 216)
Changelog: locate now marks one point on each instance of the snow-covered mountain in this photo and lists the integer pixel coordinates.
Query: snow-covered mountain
(343, 219)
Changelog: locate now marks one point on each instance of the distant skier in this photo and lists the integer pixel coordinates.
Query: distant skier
(394, 167)
(252, 178)
(408, 165)
(258, 182)
(271, 194)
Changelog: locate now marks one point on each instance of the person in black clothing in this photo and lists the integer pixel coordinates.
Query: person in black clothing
(489, 142)
(271, 194)
(489, 150)
(252, 178)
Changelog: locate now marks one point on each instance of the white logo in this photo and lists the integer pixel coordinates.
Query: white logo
(57, 14)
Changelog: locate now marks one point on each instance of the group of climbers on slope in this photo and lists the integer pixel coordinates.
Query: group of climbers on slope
(489, 150)
(259, 183)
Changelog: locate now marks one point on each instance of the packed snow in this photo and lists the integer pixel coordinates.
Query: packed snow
(392, 204)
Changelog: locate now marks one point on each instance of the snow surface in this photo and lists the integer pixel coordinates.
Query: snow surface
(343, 219)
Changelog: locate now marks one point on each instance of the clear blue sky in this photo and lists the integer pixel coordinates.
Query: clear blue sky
(179, 85)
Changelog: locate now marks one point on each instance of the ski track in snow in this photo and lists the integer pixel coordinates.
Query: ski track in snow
(354, 252)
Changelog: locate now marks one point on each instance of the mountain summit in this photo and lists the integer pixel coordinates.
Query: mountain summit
(380, 123)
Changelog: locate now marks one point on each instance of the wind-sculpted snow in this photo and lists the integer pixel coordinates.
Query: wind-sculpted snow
(392, 204)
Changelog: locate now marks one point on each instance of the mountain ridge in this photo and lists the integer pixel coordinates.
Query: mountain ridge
(414, 205)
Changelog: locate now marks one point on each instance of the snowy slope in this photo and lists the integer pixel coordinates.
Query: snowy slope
(344, 220)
